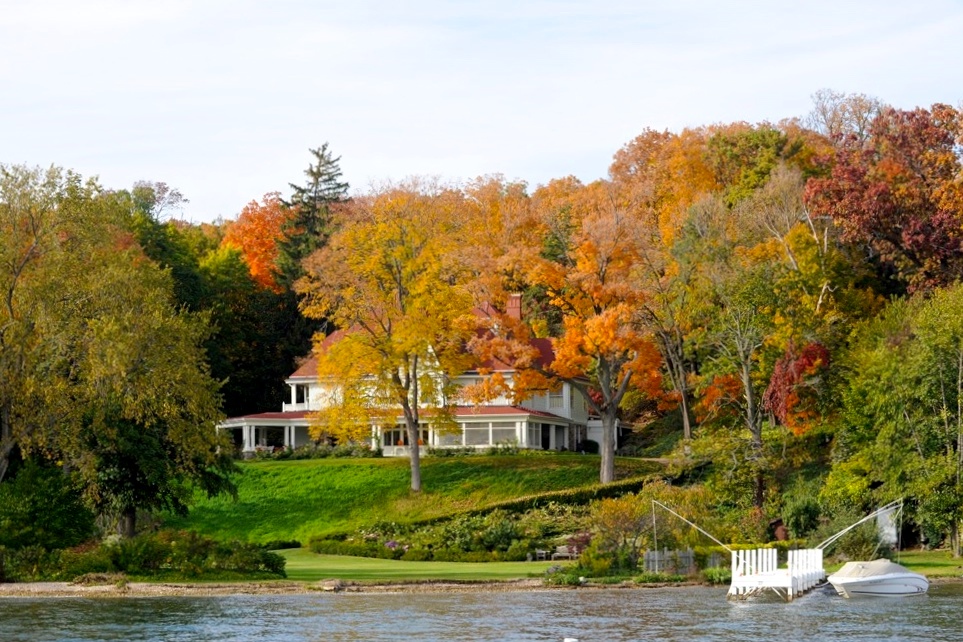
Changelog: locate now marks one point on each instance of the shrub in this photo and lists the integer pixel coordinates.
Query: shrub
(320, 451)
(417, 555)
(499, 533)
(178, 553)
(450, 555)
(247, 558)
(720, 575)
(74, 563)
(563, 576)
(39, 507)
(137, 555)
(504, 448)
(801, 514)
(595, 563)
(519, 551)
(29, 563)
(279, 544)
(355, 548)
(589, 447)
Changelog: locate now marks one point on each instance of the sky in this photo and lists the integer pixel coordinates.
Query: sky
(222, 99)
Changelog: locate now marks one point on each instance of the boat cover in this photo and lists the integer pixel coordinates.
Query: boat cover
(870, 569)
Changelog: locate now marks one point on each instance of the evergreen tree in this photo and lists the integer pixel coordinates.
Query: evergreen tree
(310, 226)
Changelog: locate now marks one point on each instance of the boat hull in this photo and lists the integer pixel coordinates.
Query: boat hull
(890, 585)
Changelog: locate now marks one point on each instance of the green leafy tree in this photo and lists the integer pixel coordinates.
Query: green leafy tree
(94, 340)
(152, 207)
(902, 432)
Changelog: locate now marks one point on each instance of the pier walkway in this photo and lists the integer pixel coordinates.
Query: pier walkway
(754, 571)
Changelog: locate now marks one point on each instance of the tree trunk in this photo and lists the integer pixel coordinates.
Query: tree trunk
(686, 424)
(607, 470)
(415, 453)
(6, 440)
(760, 492)
(754, 423)
(127, 525)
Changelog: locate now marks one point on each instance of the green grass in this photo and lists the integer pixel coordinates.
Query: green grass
(305, 566)
(285, 500)
(932, 564)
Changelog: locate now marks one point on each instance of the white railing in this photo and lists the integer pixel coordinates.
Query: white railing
(758, 569)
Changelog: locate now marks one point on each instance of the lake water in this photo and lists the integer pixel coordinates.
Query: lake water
(689, 614)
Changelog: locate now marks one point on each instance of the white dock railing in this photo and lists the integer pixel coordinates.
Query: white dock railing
(756, 570)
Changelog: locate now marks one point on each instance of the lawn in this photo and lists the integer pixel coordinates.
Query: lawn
(305, 566)
(295, 500)
(932, 564)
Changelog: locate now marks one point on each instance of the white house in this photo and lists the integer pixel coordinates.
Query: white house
(551, 420)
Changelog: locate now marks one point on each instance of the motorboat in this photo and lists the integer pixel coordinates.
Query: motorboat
(877, 578)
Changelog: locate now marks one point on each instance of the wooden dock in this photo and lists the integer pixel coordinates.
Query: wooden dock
(757, 570)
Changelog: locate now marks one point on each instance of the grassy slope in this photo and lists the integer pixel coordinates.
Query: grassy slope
(283, 500)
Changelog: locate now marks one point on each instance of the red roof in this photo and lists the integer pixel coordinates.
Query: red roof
(483, 411)
(460, 411)
(299, 414)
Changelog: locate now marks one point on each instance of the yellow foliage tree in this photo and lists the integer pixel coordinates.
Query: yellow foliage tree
(387, 278)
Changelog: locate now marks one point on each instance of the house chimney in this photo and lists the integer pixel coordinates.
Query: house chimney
(514, 307)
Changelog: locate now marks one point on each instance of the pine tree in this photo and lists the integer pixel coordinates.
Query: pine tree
(310, 227)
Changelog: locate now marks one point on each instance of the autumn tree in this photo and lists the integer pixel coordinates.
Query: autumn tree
(659, 176)
(387, 279)
(897, 194)
(838, 116)
(590, 282)
(253, 345)
(732, 287)
(256, 234)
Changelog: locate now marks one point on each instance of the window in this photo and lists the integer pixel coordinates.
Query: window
(556, 399)
(300, 394)
(503, 431)
(534, 435)
(476, 436)
(399, 437)
(449, 439)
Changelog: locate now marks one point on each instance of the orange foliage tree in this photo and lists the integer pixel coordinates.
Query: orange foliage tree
(256, 233)
(659, 176)
(588, 280)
